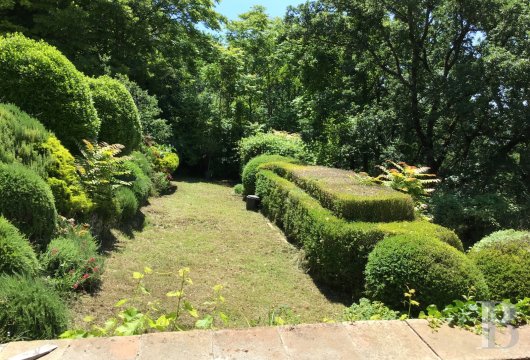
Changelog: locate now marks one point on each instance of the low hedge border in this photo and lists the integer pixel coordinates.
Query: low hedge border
(338, 191)
(336, 250)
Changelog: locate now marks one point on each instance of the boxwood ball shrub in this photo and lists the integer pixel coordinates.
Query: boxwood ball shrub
(16, 254)
(504, 259)
(251, 169)
(438, 272)
(126, 203)
(120, 122)
(27, 202)
(273, 143)
(141, 184)
(41, 81)
(30, 310)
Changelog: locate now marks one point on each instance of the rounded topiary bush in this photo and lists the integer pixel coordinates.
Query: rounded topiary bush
(273, 143)
(41, 81)
(143, 162)
(120, 122)
(251, 169)
(27, 201)
(437, 271)
(141, 184)
(504, 259)
(126, 203)
(16, 254)
(30, 310)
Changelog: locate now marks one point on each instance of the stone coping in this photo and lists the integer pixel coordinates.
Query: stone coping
(396, 340)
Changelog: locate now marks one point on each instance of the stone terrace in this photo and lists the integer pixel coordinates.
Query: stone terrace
(394, 340)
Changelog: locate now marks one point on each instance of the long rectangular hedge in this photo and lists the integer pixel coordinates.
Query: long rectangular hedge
(343, 193)
(336, 249)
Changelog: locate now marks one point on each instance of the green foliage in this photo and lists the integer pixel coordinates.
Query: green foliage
(251, 169)
(29, 310)
(16, 254)
(133, 321)
(154, 128)
(41, 81)
(70, 197)
(369, 310)
(469, 314)
(141, 184)
(100, 170)
(336, 250)
(504, 259)
(120, 122)
(24, 140)
(163, 158)
(126, 203)
(27, 202)
(273, 143)
(239, 189)
(21, 139)
(346, 194)
(72, 261)
(161, 183)
(438, 272)
(143, 162)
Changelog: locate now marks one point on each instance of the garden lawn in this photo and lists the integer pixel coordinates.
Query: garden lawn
(205, 227)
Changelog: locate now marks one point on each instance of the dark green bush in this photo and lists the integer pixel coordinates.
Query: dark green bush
(504, 259)
(273, 143)
(251, 169)
(27, 201)
(438, 272)
(126, 203)
(120, 122)
(141, 185)
(16, 254)
(336, 249)
(346, 195)
(30, 310)
(161, 183)
(41, 81)
(143, 162)
(24, 140)
(72, 261)
(369, 310)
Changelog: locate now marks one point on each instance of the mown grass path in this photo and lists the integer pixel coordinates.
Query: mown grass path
(205, 227)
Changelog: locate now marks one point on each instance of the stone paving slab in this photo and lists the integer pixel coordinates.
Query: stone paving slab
(396, 340)
(458, 344)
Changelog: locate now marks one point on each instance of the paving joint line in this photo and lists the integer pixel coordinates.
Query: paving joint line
(425, 342)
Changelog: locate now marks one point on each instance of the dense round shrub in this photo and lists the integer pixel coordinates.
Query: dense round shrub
(126, 203)
(164, 158)
(438, 272)
(143, 162)
(24, 140)
(504, 259)
(41, 81)
(141, 185)
(16, 254)
(273, 143)
(251, 169)
(27, 201)
(120, 122)
(30, 310)
(72, 261)
(161, 183)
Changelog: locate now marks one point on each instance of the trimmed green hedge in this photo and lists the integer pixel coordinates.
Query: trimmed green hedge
(273, 143)
(40, 80)
(27, 201)
(504, 259)
(251, 168)
(438, 272)
(16, 254)
(120, 121)
(336, 250)
(342, 192)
